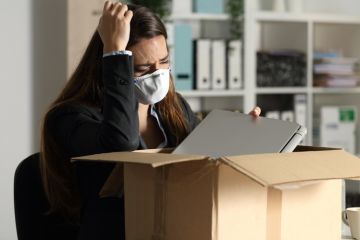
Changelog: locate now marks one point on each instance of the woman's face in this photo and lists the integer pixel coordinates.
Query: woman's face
(150, 55)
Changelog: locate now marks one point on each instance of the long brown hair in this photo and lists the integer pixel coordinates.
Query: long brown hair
(85, 87)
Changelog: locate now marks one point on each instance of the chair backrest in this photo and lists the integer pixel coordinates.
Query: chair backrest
(31, 206)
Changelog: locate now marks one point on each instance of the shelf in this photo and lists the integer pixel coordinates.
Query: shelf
(305, 17)
(212, 93)
(336, 18)
(269, 16)
(281, 90)
(314, 90)
(201, 17)
(323, 90)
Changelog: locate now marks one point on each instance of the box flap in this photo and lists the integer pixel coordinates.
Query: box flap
(280, 168)
(147, 157)
(304, 148)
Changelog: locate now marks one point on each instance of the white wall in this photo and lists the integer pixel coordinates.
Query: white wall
(15, 102)
(32, 69)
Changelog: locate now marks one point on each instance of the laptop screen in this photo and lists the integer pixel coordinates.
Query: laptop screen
(226, 133)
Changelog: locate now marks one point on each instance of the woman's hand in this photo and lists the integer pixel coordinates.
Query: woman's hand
(114, 26)
(255, 112)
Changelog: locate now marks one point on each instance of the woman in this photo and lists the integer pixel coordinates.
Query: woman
(120, 98)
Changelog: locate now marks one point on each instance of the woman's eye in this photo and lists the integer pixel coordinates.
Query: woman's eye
(141, 70)
(165, 61)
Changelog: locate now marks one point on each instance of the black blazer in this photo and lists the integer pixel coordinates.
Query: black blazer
(80, 130)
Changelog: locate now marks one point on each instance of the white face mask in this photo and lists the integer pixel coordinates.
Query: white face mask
(152, 88)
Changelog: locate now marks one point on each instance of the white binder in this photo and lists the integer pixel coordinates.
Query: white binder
(287, 116)
(181, 7)
(203, 64)
(300, 109)
(273, 114)
(218, 64)
(235, 64)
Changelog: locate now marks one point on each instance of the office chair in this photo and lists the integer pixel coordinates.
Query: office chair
(31, 206)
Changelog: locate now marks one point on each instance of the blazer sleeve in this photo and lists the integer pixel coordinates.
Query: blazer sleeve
(78, 132)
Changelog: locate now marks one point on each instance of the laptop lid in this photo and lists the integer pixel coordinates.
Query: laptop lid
(226, 133)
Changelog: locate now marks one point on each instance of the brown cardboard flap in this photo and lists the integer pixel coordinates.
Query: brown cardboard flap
(148, 158)
(304, 148)
(273, 169)
(156, 150)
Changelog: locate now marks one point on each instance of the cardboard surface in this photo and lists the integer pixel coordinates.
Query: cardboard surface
(307, 164)
(316, 208)
(181, 197)
(241, 206)
(273, 169)
(141, 157)
(170, 202)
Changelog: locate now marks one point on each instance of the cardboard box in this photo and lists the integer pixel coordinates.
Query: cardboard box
(177, 197)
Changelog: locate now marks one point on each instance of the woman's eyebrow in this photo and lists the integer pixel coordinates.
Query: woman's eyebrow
(166, 57)
(149, 64)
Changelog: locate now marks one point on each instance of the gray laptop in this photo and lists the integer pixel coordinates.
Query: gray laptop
(226, 133)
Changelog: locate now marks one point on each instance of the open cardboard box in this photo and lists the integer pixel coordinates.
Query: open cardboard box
(178, 197)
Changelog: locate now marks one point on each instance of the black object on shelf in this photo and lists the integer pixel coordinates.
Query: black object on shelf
(281, 68)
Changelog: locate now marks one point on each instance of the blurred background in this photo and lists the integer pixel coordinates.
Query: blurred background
(297, 59)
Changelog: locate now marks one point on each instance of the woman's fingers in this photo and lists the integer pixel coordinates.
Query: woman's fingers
(114, 26)
(128, 15)
(122, 10)
(107, 6)
(256, 112)
(116, 9)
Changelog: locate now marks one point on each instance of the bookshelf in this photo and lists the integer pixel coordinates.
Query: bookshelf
(207, 26)
(308, 32)
(322, 25)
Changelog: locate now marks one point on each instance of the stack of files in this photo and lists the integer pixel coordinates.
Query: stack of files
(183, 55)
(202, 61)
(234, 64)
(338, 127)
(337, 81)
(300, 109)
(208, 6)
(336, 72)
(218, 64)
(181, 7)
(320, 55)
